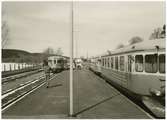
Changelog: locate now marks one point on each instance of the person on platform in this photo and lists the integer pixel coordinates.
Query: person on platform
(46, 69)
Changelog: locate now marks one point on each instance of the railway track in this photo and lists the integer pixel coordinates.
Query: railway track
(14, 77)
(11, 96)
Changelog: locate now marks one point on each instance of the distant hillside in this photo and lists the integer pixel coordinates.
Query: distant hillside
(14, 55)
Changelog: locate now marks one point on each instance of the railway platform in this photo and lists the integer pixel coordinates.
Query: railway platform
(93, 98)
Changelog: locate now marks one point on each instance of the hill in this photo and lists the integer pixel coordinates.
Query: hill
(20, 56)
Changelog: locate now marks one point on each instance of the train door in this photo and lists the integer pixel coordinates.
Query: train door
(129, 69)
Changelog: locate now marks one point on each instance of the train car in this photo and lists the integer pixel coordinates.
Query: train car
(95, 64)
(140, 69)
(58, 63)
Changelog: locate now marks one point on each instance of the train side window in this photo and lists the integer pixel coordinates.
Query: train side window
(54, 61)
(112, 62)
(108, 62)
(121, 63)
(151, 63)
(103, 62)
(139, 63)
(162, 63)
(116, 63)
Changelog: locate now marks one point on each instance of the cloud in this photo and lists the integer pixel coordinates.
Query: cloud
(98, 26)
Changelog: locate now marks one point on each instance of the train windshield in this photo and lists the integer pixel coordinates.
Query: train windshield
(60, 61)
(162, 63)
(151, 63)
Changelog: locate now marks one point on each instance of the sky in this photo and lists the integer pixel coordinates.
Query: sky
(98, 26)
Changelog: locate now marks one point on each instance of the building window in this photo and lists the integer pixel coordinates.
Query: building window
(162, 63)
(139, 63)
(122, 63)
(151, 63)
(112, 62)
(116, 63)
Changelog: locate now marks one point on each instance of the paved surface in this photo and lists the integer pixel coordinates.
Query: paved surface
(94, 98)
(15, 83)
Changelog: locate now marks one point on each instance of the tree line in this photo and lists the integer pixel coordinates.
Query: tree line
(157, 33)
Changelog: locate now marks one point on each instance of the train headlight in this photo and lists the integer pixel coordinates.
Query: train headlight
(158, 93)
(155, 92)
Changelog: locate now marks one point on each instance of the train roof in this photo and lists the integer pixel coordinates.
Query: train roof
(142, 46)
(58, 56)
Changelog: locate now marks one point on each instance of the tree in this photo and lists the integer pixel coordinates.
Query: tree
(83, 58)
(158, 33)
(135, 40)
(4, 28)
(59, 51)
(120, 46)
(163, 33)
(47, 52)
(109, 52)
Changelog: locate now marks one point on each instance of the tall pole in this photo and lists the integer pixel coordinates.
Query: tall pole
(71, 64)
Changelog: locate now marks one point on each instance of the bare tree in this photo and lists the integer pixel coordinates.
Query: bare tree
(135, 39)
(109, 52)
(163, 33)
(5, 29)
(59, 51)
(158, 33)
(47, 52)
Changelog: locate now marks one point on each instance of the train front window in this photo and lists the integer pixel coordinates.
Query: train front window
(122, 63)
(151, 63)
(59, 61)
(139, 63)
(162, 63)
(49, 62)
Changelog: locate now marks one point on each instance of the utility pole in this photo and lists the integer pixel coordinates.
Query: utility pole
(71, 64)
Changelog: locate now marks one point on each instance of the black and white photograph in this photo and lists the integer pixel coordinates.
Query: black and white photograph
(83, 59)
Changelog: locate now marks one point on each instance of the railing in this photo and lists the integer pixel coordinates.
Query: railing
(16, 66)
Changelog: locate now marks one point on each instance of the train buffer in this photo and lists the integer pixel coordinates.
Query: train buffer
(93, 98)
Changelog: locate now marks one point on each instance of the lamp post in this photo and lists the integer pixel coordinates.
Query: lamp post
(71, 65)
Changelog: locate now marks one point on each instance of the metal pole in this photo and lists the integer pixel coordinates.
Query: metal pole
(71, 64)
